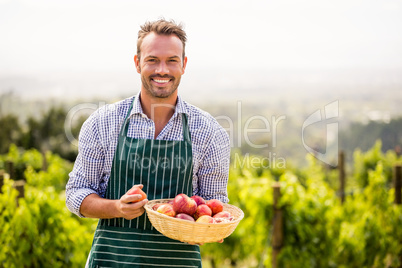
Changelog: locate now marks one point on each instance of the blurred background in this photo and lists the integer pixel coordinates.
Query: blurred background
(267, 58)
(261, 68)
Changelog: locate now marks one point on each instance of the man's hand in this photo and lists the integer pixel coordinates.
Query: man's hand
(130, 207)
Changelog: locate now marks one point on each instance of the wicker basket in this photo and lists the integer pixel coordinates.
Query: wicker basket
(193, 232)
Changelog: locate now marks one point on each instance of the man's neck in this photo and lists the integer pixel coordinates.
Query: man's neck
(159, 110)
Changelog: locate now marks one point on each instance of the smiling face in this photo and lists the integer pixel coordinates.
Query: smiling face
(161, 65)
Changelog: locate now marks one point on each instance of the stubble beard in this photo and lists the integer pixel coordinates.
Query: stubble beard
(160, 92)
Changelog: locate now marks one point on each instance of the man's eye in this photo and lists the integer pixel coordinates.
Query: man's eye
(151, 60)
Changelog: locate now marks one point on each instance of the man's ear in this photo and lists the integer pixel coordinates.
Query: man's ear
(137, 63)
(184, 65)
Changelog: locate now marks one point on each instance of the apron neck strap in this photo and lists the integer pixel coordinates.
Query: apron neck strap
(124, 129)
(186, 131)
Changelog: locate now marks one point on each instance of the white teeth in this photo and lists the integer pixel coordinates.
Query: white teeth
(161, 81)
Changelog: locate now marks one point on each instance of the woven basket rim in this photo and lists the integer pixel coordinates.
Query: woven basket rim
(189, 231)
(148, 208)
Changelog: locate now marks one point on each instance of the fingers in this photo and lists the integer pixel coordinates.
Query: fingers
(138, 186)
(133, 198)
(130, 207)
(130, 211)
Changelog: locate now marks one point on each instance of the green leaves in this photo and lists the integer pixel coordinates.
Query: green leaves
(319, 231)
(40, 231)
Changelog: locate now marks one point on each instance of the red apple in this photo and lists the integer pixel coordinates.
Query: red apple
(198, 199)
(184, 216)
(202, 210)
(156, 206)
(215, 205)
(184, 204)
(205, 219)
(137, 190)
(223, 214)
(167, 209)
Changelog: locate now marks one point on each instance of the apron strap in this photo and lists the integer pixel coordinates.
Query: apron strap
(186, 130)
(124, 130)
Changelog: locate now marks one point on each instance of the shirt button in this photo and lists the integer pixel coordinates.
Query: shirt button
(144, 116)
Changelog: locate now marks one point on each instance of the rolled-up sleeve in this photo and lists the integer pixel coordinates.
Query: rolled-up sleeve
(85, 178)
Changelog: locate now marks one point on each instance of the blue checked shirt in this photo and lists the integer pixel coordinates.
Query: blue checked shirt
(98, 141)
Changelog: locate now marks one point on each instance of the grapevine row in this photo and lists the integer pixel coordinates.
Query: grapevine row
(294, 217)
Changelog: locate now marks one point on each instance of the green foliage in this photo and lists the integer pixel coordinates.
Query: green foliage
(38, 230)
(10, 132)
(319, 231)
(364, 162)
(37, 169)
(367, 234)
(44, 133)
(48, 133)
(254, 196)
(308, 239)
(55, 176)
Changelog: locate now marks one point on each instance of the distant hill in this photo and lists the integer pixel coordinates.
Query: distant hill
(363, 136)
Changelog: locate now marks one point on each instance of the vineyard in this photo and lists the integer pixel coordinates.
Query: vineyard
(294, 217)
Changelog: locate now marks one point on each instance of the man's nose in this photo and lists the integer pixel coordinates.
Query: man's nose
(162, 68)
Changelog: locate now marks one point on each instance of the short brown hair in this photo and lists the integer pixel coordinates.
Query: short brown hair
(162, 27)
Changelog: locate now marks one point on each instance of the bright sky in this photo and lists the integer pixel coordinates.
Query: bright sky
(42, 36)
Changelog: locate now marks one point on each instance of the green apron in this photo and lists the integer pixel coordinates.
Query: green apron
(165, 168)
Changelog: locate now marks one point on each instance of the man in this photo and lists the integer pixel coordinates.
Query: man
(153, 140)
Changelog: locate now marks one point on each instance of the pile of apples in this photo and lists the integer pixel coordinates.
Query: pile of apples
(194, 209)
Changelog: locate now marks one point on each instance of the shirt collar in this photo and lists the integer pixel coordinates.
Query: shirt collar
(137, 108)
